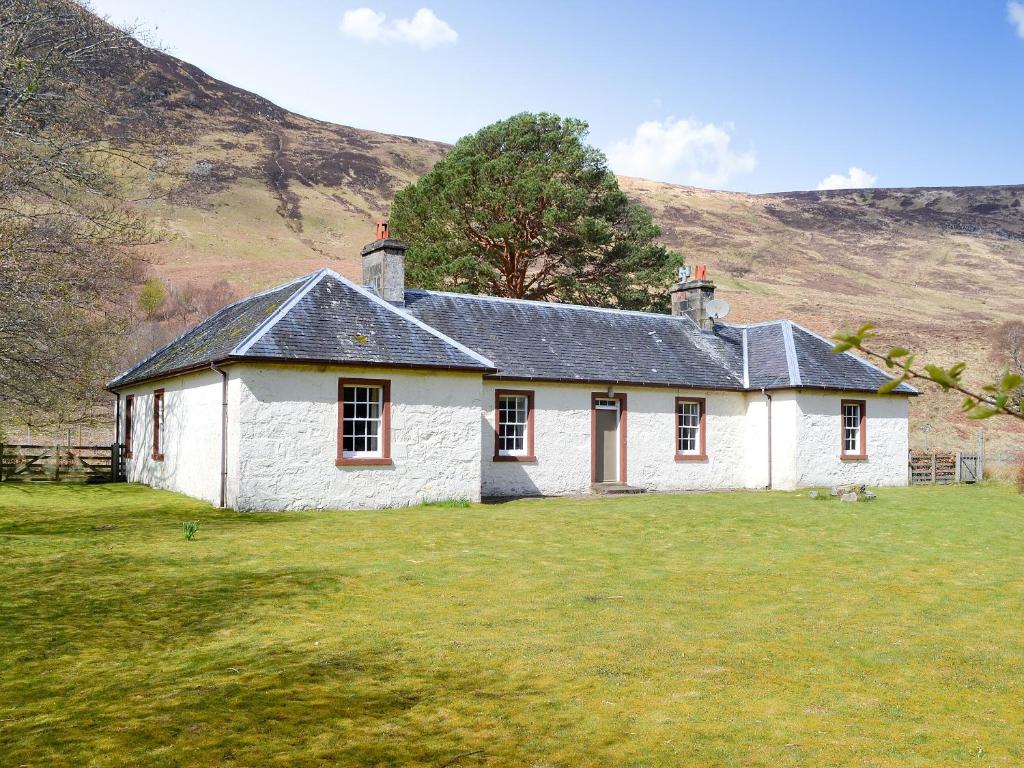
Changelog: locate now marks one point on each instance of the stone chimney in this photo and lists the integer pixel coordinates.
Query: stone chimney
(384, 266)
(692, 293)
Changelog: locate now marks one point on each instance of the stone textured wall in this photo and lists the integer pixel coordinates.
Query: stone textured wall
(192, 409)
(562, 435)
(288, 440)
(818, 445)
(283, 431)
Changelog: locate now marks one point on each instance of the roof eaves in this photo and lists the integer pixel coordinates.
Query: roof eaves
(272, 319)
(372, 296)
(597, 381)
(181, 370)
(791, 362)
(913, 390)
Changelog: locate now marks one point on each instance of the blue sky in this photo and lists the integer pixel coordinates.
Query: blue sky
(748, 96)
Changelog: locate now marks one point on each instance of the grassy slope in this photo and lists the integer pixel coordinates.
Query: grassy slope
(258, 195)
(732, 629)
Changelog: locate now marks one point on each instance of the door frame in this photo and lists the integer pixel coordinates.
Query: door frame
(621, 398)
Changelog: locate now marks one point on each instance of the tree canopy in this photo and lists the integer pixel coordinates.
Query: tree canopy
(524, 208)
(68, 238)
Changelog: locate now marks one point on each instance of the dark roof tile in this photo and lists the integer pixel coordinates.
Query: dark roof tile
(540, 340)
(325, 318)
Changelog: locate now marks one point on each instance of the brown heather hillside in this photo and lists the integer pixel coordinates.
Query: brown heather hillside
(255, 194)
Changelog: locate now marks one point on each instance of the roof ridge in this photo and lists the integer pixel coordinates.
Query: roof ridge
(791, 360)
(758, 324)
(414, 320)
(181, 336)
(746, 361)
(272, 319)
(551, 304)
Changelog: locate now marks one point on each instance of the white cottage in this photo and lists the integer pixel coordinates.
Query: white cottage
(321, 393)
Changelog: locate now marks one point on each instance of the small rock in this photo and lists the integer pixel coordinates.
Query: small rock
(812, 495)
(869, 495)
(851, 496)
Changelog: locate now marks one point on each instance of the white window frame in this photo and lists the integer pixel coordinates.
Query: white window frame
(851, 409)
(367, 419)
(688, 431)
(521, 423)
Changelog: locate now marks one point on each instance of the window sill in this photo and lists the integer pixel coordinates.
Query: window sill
(853, 457)
(158, 457)
(691, 457)
(367, 462)
(517, 459)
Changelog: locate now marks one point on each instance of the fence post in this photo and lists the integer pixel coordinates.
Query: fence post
(115, 462)
(1, 462)
(956, 472)
(933, 468)
(56, 462)
(981, 456)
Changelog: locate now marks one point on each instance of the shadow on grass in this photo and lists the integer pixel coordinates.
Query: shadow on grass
(133, 646)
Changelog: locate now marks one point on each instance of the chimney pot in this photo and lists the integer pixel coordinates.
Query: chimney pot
(690, 297)
(384, 266)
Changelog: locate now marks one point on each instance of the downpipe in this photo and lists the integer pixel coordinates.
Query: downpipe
(117, 417)
(223, 434)
(768, 395)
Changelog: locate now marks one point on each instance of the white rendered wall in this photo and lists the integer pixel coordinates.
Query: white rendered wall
(818, 427)
(288, 439)
(192, 439)
(562, 441)
(785, 422)
(755, 444)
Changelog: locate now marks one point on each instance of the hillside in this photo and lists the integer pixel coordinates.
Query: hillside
(255, 194)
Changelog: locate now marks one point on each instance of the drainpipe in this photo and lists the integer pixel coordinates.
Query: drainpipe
(768, 395)
(223, 434)
(117, 417)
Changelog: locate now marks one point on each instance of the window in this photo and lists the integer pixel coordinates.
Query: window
(854, 429)
(691, 442)
(513, 425)
(364, 421)
(129, 404)
(159, 425)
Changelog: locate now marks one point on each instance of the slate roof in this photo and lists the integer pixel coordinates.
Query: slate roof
(323, 317)
(565, 342)
(541, 340)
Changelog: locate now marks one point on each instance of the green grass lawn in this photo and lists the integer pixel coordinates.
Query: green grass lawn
(746, 629)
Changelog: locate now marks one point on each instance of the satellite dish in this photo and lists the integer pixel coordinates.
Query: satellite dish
(717, 308)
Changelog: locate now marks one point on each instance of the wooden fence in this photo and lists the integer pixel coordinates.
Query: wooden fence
(89, 463)
(944, 467)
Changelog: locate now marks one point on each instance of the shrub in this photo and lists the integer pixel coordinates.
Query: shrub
(190, 529)
(152, 297)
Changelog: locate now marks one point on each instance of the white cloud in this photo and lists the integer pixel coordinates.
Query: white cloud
(1015, 15)
(686, 151)
(424, 29)
(857, 178)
